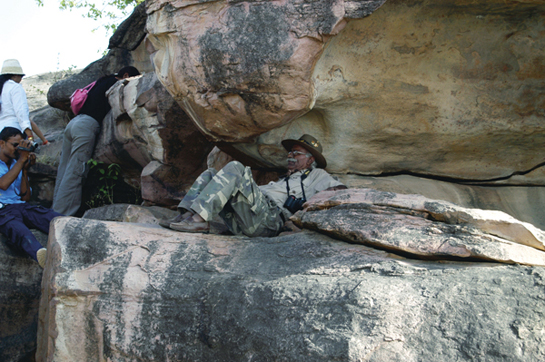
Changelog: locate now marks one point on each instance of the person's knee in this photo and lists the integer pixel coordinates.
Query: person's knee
(209, 173)
(234, 166)
(16, 232)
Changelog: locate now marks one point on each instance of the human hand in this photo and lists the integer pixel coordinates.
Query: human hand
(31, 160)
(335, 188)
(23, 150)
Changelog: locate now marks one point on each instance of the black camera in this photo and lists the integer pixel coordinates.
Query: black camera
(293, 204)
(33, 146)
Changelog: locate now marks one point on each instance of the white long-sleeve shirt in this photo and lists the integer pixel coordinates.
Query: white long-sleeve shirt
(14, 112)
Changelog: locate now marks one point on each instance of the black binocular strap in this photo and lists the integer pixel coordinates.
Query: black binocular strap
(303, 177)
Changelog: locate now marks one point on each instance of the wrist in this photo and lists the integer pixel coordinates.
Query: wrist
(22, 159)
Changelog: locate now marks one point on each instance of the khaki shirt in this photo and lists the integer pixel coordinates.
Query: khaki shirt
(317, 180)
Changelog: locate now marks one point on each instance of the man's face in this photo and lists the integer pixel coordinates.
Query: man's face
(9, 147)
(298, 160)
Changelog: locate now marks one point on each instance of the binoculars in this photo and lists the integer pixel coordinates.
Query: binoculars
(293, 204)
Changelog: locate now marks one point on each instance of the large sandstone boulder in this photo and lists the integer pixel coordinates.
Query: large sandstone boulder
(243, 68)
(113, 292)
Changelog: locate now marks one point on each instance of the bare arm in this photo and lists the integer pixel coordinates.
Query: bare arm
(25, 191)
(335, 188)
(28, 133)
(7, 179)
(38, 132)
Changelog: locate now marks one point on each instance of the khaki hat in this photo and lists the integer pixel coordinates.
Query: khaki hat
(12, 66)
(309, 143)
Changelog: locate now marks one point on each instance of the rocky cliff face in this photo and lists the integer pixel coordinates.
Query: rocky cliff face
(437, 98)
(441, 90)
(436, 88)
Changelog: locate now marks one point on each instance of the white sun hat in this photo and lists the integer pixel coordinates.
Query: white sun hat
(12, 66)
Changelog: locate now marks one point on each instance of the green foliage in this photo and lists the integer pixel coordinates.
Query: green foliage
(32, 86)
(109, 12)
(108, 177)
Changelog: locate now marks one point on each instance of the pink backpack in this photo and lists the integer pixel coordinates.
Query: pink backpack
(78, 98)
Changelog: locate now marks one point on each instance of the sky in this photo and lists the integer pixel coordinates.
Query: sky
(47, 39)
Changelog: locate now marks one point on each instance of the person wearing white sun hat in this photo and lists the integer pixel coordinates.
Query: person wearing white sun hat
(13, 102)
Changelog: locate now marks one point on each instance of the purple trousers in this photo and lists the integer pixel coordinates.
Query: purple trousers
(15, 221)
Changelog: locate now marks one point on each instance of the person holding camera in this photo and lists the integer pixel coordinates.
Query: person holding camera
(254, 210)
(16, 216)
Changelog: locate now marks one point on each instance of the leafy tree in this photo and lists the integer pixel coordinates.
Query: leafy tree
(109, 12)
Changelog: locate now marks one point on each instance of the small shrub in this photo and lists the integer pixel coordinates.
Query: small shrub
(108, 176)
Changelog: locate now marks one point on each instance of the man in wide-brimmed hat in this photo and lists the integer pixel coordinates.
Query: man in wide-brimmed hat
(250, 209)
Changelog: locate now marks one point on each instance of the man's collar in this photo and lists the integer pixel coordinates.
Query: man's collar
(304, 172)
(8, 164)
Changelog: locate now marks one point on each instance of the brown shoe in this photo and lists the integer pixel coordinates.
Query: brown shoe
(191, 227)
(166, 223)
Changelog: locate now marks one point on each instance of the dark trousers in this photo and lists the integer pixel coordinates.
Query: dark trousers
(15, 221)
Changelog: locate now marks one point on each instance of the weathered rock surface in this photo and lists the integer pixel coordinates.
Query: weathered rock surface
(440, 88)
(36, 86)
(149, 215)
(143, 293)
(153, 140)
(421, 226)
(522, 202)
(20, 278)
(448, 89)
(130, 213)
(241, 68)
